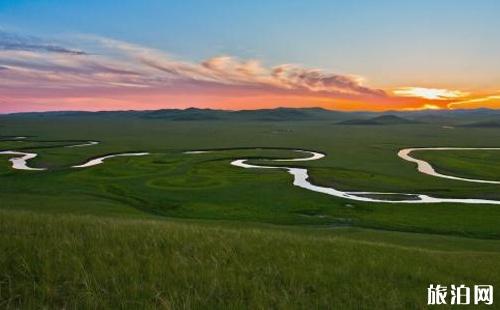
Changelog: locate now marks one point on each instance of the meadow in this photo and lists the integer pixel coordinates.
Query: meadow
(70, 261)
(189, 230)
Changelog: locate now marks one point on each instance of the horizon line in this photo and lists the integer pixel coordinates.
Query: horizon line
(238, 110)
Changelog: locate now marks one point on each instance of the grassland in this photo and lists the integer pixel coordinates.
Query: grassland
(88, 262)
(187, 231)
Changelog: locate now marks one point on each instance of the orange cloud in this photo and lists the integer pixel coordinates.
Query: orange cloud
(489, 101)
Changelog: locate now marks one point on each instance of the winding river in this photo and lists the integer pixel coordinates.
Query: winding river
(301, 179)
(426, 168)
(90, 143)
(20, 159)
(100, 160)
(301, 175)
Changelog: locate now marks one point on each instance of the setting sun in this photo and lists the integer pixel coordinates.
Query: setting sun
(429, 93)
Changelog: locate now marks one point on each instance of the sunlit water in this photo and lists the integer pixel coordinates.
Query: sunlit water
(301, 176)
(100, 160)
(20, 159)
(426, 168)
(301, 179)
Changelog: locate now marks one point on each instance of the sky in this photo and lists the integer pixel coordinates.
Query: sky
(345, 55)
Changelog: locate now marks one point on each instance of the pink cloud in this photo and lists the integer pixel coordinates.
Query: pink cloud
(45, 72)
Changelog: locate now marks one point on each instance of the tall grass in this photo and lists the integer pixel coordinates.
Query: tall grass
(68, 261)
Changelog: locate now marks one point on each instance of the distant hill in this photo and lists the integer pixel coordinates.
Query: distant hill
(191, 114)
(279, 114)
(451, 117)
(288, 114)
(379, 120)
(195, 114)
(470, 118)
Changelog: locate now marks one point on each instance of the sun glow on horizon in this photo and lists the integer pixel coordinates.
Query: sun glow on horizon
(429, 93)
(424, 107)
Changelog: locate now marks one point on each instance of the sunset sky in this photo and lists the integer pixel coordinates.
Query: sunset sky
(347, 55)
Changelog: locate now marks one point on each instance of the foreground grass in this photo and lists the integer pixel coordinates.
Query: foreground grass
(67, 261)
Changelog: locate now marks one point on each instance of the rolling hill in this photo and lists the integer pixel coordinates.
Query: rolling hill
(471, 118)
(379, 120)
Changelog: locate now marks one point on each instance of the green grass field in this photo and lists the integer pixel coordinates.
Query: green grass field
(90, 262)
(191, 231)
